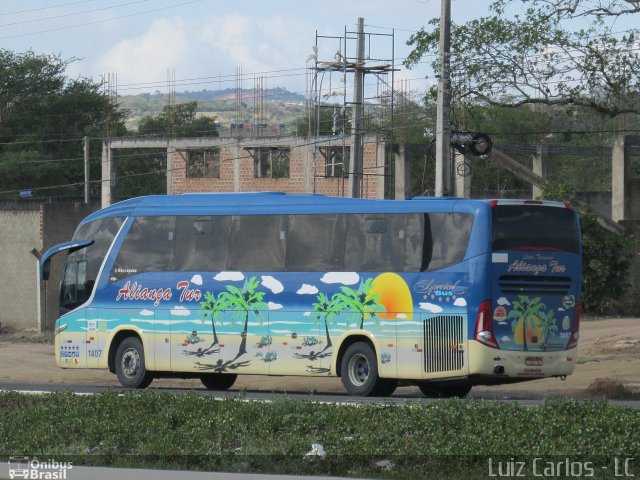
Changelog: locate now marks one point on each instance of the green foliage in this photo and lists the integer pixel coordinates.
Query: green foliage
(179, 121)
(444, 439)
(606, 257)
(43, 117)
(549, 54)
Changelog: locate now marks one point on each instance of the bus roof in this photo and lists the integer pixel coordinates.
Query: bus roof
(264, 203)
(276, 203)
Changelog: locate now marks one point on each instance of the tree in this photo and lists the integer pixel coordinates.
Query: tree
(245, 300)
(179, 120)
(43, 117)
(213, 308)
(326, 310)
(361, 302)
(526, 314)
(556, 52)
(606, 257)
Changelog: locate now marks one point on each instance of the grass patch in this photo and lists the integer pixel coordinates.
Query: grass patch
(446, 439)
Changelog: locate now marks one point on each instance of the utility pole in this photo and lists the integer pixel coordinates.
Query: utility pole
(443, 122)
(86, 169)
(358, 106)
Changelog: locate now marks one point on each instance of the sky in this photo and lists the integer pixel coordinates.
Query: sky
(203, 42)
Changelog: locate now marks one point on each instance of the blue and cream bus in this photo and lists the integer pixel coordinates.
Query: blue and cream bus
(442, 293)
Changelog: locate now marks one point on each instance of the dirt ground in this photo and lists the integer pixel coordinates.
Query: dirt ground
(608, 356)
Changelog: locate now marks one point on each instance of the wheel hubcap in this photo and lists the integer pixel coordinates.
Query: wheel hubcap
(130, 362)
(358, 370)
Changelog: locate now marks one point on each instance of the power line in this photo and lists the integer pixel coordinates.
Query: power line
(22, 22)
(67, 27)
(48, 7)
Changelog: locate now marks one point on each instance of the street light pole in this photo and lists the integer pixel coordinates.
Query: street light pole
(443, 122)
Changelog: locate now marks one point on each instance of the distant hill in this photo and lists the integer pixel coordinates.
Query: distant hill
(280, 105)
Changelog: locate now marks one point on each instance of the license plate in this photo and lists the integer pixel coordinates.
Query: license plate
(533, 361)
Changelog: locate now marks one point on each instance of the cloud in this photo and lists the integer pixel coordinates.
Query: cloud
(307, 289)
(560, 309)
(229, 277)
(345, 278)
(430, 307)
(307, 314)
(272, 284)
(146, 313)
(274, 306)
(149, 54)
(460, 302)
(502, 301)
(505, 339)
(180, 311)
(401, 315)
(196, 279)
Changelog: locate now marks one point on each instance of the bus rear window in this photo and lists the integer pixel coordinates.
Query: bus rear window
(534, 227)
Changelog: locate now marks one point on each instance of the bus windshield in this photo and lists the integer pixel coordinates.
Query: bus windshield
(82, 267)
(534, 228)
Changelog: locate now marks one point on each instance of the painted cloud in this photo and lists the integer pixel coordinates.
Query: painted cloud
(401, 315)
(430, 307)
(274, 306)
(180, 311)
(146, 313)
(272, 284)
(307, 289)
(460, 302)
(345, 278)
(502, 301)
(229, 277)
(196, 279)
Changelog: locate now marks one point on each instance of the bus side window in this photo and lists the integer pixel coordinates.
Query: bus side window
(257, 243)
(375, 243)
(148, 247)
(315, 242)
(450, 233)
(202, 243)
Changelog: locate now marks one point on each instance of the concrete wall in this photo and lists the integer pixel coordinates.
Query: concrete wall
(59, 222)
(20, 293)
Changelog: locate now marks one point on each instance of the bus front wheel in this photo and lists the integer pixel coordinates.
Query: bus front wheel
(130, 367)
(359, 372)
(439, 390)
(218, 381)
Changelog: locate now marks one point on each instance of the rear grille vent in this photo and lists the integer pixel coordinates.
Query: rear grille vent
(443, 343)
(534, 285)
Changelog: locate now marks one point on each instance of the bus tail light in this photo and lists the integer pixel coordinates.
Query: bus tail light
(484, 326)
(575, 329)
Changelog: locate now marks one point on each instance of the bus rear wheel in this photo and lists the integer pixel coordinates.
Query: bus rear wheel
(359, 372)
(218, 381)
(130, 367)
(440, 390)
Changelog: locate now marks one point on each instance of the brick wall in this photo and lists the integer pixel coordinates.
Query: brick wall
(237, 171)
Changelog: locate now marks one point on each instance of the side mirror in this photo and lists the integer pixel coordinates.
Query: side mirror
(45, 261)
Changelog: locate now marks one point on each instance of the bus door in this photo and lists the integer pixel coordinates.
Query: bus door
(95, 337)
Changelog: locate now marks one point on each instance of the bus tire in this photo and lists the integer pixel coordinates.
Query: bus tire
(384, 387)
(359, 370)
(218, 381)
(130, 366)
(439, 390)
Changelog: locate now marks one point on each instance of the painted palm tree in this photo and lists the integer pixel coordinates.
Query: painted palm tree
(245, 300)
(361, 302)
(548, 325)
(327, 310)
(212, 308)
(526, 315)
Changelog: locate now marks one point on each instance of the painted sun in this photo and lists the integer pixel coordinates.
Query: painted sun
(395, 296)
